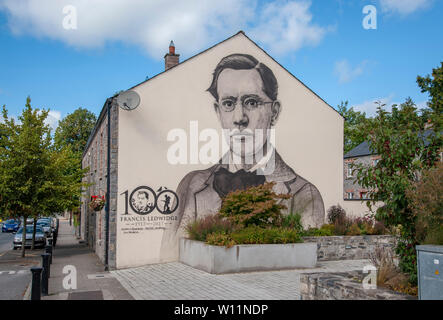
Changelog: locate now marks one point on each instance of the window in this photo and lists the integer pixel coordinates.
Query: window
(350, 195)
(349, 171)
(363, 195)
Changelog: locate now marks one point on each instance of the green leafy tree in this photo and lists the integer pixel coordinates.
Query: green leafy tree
(396, 136)
(74, 130)
(354, 120)
(433, 86)
(36, 179)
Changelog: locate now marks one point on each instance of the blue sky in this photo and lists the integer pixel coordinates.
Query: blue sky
(118, 43)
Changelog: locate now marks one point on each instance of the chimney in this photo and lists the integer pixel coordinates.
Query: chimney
(171, 59)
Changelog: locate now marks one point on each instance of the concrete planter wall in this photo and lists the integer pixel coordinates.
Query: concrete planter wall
(243, 258)
(349, 247)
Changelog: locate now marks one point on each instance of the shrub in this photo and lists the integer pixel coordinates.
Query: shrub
(201, 228)
(292, 221)
(220, 238)
(349, 227)
(354, 230)
(254, 235)
(388, 273)
(254, 206)
(426, 202)
(324, 231)
(336, 214)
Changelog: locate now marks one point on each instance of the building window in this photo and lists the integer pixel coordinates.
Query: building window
(349, 171)
(350, 195)
(364, 195)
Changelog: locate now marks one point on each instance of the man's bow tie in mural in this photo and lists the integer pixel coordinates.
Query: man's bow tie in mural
(226, 181)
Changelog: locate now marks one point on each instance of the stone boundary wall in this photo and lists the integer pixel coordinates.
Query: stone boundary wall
(349, 247)
(343, 286)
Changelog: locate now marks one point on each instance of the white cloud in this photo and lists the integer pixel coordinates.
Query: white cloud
(192, 24)
(53, 119)
(404, 7)
(285, 27)
(370, 106)
(346, 72)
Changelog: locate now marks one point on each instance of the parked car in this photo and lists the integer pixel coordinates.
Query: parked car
(45, 224)
(40, 237)
(11, 225)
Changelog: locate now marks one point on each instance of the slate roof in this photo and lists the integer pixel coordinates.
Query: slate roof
(359, 151)
(363, 148)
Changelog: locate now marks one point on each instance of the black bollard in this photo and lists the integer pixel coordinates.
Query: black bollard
(45, 273)
(35, 287)
(48, 250)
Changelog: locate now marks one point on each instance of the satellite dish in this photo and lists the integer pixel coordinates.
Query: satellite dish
(128, 100)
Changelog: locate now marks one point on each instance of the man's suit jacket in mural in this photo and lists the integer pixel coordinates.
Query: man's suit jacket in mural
(198, 197)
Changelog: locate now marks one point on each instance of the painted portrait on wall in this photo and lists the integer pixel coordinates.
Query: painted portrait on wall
(245, 100)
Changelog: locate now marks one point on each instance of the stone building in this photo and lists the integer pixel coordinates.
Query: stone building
(163, 153)
(354, 195)
(361, 154)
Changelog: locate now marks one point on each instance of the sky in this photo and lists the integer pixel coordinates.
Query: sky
(67, 54)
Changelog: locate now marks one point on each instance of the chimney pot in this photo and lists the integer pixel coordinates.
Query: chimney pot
(171, 58)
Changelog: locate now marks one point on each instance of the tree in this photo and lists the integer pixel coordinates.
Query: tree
(33, 173)
(354, 120)
(74, 130)
(434, 87)
(397, 137)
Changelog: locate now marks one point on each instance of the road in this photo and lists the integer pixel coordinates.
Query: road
(5, 242)
(15, 272)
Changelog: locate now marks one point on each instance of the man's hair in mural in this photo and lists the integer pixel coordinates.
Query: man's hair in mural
(240, 61)
(143, 192)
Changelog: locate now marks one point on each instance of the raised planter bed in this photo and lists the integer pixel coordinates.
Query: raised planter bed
(244, 258)
(349, 247)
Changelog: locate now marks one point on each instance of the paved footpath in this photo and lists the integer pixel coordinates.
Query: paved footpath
(176, 281)
(93, 283)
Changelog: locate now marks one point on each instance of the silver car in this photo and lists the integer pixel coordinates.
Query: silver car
(40, 237)
(45, 224)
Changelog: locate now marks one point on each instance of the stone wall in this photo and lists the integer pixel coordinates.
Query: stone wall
(349, 247)
(93, 224)
(343, 286)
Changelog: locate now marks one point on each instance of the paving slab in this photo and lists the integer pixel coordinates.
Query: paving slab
(93, 283)
(177, 281)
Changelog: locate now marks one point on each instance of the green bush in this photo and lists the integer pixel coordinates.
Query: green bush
(349, 227)
(292, 221)
(325, 231)
(220, 238)
(255, 235)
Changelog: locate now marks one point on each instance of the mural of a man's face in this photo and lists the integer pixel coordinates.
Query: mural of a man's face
(142, 199)
(243, 107)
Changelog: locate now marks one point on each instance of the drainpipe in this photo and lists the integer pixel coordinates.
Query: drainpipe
(108, 187)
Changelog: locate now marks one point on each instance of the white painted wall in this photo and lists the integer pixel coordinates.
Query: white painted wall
(309, 136)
